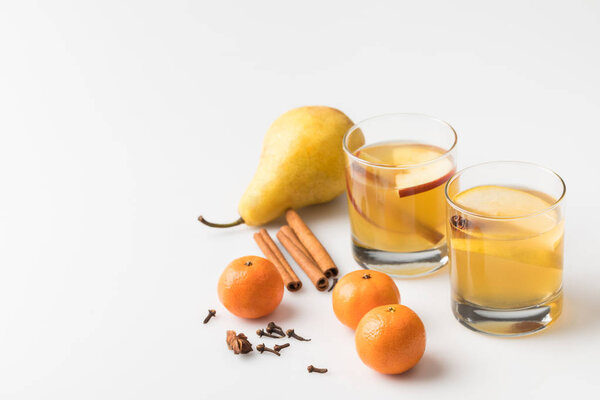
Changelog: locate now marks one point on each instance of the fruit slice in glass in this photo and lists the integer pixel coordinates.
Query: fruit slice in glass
(395, 184)
(505, 236)
(382, 196)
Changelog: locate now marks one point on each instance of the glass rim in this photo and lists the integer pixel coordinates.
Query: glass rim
(405, 166)
(554, 205)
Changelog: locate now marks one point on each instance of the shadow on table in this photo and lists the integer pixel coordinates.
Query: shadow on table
(333, 210)
(581, 312)
(282, 314)
(429, 368)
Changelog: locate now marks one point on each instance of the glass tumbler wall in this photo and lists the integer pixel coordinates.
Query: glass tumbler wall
(396, 168)
(505, 238)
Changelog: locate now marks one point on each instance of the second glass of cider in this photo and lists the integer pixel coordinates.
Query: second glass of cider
(396, 169)
(506, 238)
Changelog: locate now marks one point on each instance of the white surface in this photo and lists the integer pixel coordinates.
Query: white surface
(120, 122)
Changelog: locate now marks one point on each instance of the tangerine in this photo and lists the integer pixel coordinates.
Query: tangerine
(359, 291)
(390, 339)
(250, 287)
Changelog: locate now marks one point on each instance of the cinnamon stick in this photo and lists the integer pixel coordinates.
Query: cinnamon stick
(428, 233)
(289, 232)
(272, 253)
(277, 253)
(311, 243)
(311, 269)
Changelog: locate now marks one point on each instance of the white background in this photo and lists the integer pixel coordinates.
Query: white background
(121, 121)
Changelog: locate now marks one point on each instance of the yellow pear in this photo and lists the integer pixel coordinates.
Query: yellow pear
(302, 163)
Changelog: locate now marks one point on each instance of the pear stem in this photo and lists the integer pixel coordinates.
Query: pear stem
(229, 225)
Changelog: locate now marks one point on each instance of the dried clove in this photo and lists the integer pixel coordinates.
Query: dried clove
(211, 313)
(278, 347)
(261, 347)
(272, 327)
(262, 333)
(291, 334)
(311, 368)
(272, 331)
(335, 281)
(238, 343)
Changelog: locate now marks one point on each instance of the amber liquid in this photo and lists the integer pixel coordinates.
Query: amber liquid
(507, 264)
(398, 205)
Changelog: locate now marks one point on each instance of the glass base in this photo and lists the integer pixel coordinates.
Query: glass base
(508, 322)
(401, 265)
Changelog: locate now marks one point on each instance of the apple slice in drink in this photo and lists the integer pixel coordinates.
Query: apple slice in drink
(373, 186)
(378, 172)
(399, 166)
(423, 230)
(535, 240)
(380, 206)
(507, 203)
(421, 179)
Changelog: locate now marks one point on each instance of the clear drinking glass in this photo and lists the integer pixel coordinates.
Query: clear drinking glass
(505, 239)
(396, 167)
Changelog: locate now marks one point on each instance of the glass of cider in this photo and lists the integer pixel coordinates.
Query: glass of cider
(505, 231)
(396, 168)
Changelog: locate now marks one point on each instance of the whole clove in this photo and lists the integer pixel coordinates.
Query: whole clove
(272, 327)
(238, 343)
(278, 347)
(261, 348)
(311, 368)
(291, 334)
(211, 313)
(335, 281)
(262, 333)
